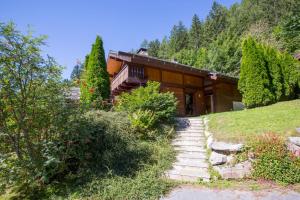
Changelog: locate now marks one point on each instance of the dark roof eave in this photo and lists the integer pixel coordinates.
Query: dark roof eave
(141, 59)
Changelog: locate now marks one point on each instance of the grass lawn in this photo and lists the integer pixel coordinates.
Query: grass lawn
(238, 126)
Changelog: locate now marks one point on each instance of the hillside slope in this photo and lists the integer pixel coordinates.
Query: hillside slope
(281, 118)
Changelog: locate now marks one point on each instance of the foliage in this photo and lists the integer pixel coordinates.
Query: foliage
(77, 70)
(273, 161)
(254, 83)
(33, 109)
(239, 126)
(95, 79)
(178, 38)
(267, 75)
(195, 33)
(153, 48)
(148, 109)
(222, 32)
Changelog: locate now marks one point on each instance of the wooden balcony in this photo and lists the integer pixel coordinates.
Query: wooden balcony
(128, 78)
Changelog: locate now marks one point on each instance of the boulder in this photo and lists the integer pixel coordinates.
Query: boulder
(239, 171)
(209, 141)
(226, 148)
(298, 130)
(217, 159)
(295, 149)
(295, 140)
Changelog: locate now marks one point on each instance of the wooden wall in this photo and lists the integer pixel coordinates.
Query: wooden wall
(224, 95)
(179, 84)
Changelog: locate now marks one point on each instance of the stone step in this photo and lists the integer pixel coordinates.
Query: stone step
(190, 163)
(188, 160)
(187, 176)
(190, 171)
(190, 131)
(188, 143)
(189, 149)
(187, 138)
(191, 155)
(199, 135)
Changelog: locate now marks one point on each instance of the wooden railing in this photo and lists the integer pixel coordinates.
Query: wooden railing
(130, 74)
(120, 78)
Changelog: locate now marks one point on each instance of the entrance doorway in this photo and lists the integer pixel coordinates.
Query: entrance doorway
(189, 104)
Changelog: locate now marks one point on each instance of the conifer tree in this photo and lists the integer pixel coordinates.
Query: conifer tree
(178, 38)
(254, 82)
(195, 34)
(96, 75)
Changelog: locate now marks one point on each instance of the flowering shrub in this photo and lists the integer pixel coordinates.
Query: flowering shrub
(273, 161)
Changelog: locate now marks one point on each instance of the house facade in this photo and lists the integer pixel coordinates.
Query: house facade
(197, 91)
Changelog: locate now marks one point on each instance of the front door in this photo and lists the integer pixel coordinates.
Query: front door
(189, 104)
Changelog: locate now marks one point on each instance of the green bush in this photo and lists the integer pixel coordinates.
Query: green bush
(254, 83)
(267, 75)
(273, 161)
(148, 107)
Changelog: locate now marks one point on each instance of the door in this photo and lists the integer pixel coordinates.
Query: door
(189, 104)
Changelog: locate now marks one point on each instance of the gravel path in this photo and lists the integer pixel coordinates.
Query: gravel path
(193, 193)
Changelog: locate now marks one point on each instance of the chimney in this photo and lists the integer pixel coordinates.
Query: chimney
(142, 51)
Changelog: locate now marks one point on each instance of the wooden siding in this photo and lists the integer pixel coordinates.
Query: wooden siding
(172, 77)
(224, 95)
(152, 74)
(193, 81)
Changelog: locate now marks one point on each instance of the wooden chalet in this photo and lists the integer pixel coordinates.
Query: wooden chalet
(198, 91)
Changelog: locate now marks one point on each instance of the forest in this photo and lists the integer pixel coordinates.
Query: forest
(215, 43)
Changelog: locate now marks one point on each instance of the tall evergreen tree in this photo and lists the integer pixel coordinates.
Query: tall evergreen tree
(145, 44)
(96, 75)
(216, 22)
(164, 49)
(254, 82)
(195, 33)
(153, 48)
(77, 70)
(178, 38)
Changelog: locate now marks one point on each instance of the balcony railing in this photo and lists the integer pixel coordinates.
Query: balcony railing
(129, 76)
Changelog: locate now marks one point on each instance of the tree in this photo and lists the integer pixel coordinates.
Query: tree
(77, 70)
(153, 48)
(31, 99)
(254, 83)
(95, 79)
(178, 38)
(164, 49)
(145, 44)
(186, 57)
(195, 33)
(216, 22)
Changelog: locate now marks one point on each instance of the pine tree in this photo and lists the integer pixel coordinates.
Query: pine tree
(254, 82)
(96, 75)
(76, 72)
(164, 49)
(178, 38)
(153, 48)
(195, 34)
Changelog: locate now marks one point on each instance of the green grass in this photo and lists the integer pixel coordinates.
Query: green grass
(238, 126)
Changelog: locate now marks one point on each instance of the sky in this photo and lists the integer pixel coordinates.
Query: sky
(72, 25)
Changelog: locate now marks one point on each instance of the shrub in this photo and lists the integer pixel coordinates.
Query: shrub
(267, 75)
(147, 107)
(254, 82)
(273, 160)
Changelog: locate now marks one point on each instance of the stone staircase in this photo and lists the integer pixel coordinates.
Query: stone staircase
(190, 143)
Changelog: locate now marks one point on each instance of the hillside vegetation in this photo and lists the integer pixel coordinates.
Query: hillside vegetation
(281, 118)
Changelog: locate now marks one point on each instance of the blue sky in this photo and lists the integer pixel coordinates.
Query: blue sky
(72, 25)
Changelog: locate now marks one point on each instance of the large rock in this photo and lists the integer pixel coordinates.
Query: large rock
(295, 140)
(295, 149)
(298, 130)
(239, 171)
(226, 148)
(217, 158)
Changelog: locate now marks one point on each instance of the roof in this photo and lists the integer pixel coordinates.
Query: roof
(165, 64)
